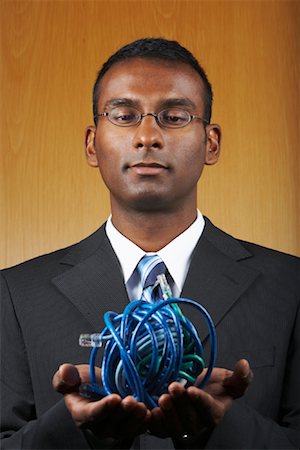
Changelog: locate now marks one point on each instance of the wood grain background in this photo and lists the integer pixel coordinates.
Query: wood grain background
(51, 51)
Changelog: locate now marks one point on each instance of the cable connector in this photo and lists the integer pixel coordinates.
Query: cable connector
(166, 290)
(90, 340)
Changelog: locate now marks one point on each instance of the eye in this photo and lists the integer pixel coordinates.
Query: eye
(174, 117)
(123, 115)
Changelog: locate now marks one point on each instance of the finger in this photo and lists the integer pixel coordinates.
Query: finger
(165, 402)
(66, 379)
(131, 418)
(242, 368)
(170, 416)
(158, 423)
(131, 406)
(84, 371)
(217, 376)
(210, 411)
(186, 414)
(237, 383)
(86, 413)
(200, 377)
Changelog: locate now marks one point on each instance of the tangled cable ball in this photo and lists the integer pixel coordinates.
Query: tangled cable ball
(147, 347)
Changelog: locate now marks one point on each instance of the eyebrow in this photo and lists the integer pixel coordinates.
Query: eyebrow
(120, 102)
(163, 104)
(181, 102)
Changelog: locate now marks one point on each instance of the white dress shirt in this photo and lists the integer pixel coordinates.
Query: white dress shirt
(176, 256)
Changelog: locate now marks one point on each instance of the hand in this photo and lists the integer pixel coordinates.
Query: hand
(110, 417)
(195, 412)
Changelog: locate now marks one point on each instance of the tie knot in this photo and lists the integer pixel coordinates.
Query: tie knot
(149, 268)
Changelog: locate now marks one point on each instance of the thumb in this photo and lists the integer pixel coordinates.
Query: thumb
(238, 382)
(66, 379)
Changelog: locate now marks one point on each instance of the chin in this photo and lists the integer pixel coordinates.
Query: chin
(149, 203)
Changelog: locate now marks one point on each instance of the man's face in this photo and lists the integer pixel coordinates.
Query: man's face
(148, 167)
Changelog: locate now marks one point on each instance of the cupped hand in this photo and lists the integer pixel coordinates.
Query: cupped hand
(109, 417)
(194, 412)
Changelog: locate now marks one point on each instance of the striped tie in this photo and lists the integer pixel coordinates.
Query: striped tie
(149, 268)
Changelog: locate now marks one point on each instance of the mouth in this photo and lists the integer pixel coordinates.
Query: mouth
(148, 168)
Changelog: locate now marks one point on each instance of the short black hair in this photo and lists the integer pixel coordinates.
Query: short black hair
(155, 48)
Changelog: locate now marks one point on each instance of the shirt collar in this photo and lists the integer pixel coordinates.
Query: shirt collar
(127, 252)
(176, 255)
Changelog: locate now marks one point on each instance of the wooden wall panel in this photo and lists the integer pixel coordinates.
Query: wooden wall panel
(51, 51)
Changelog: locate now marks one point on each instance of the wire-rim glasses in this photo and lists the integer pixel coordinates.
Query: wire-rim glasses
(127, 116)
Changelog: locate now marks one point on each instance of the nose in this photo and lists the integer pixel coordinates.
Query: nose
(148, 134)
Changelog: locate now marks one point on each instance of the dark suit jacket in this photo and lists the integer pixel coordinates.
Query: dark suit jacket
(251, 292)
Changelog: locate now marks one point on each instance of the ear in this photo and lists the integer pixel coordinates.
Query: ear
(213, 143)
(90, 151)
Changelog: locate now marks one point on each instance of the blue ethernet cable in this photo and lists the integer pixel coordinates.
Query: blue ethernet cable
(147, 347)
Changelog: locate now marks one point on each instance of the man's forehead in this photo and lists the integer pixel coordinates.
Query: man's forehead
(141, 65)
(145, 60)
(136, 77)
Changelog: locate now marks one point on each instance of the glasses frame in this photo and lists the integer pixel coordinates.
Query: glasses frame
(156, 116)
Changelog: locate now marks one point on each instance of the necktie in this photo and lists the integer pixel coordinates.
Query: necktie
(149, 268)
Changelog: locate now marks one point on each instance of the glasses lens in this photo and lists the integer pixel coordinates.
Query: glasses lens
(174, 118)
(124, 116)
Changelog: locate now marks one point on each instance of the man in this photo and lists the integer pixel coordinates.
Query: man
(151, 140)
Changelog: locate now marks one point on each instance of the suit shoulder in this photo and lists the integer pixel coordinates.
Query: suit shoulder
(57, 261)
(253, 255)
(240, 249)
(280, 267)
(270, 254)
(40, 267)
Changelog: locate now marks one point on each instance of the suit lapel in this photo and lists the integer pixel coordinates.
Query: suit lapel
(217, 276)
(95, 283)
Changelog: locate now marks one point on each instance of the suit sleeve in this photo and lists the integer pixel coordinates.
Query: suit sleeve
(20, 426)
(243, 427)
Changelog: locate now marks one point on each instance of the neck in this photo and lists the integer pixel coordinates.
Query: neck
(151, 231)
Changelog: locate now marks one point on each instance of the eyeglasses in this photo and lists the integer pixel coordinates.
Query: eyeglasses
(127, 116)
